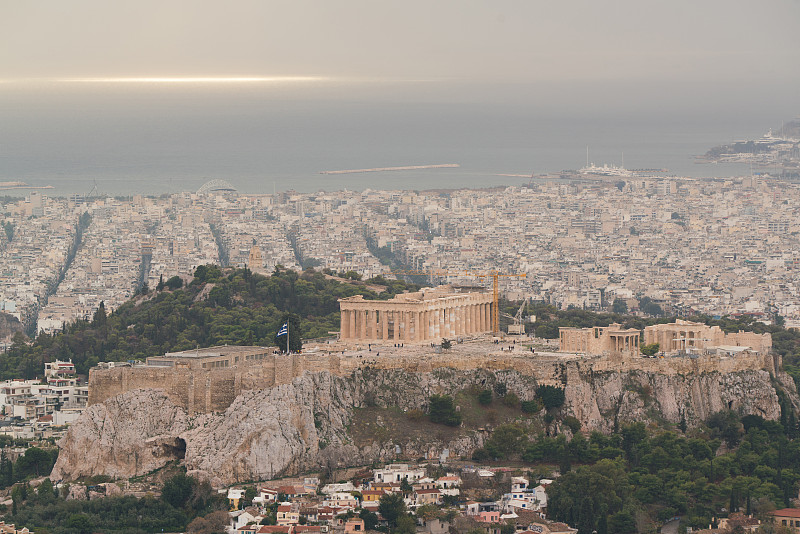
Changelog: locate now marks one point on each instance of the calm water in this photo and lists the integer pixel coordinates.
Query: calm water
(157, 139)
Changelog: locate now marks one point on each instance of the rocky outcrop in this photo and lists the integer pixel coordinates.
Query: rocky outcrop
(131, 434)
(9, 325)
(603, 401)
(306, 425)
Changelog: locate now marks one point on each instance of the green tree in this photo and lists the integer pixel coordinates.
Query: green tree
(177, 490)
(619, 306)
(392, 507)
(650, 350)
(427, 512)
(531, 406)
(46, 493)
(572, 423)
(9, 229)
(370, 519)
(405, 525)
(249, 494)
(622, 523)
(505, 440)
(441, 410)
(175, 282)
(511, 400)
(80, 524)
(651, 308)
(99, 319)
(552, 397)
(485, 397)
(352, 275)
(35, 462)
(586, 519)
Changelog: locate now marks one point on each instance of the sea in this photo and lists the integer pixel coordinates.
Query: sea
(120, 138)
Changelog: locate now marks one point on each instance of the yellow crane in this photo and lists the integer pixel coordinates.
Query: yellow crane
(493, 274)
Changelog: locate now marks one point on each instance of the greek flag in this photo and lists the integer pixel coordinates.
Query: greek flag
(284, 329)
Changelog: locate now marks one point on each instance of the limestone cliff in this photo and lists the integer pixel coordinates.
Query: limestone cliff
(311, 422)
(131, 434)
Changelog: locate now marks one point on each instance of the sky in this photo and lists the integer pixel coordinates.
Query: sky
(706, 43)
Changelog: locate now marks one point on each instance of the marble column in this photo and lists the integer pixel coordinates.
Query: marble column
(473, 320)
(384, 325)
(344, 325)
(373, 325)
(396, 321)
(362, 320)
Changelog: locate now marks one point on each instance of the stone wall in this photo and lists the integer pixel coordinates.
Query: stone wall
(213, 390)
(206, 390)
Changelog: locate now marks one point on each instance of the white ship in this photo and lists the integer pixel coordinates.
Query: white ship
(605, 170)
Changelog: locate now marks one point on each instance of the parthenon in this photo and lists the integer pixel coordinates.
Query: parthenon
(423, 316)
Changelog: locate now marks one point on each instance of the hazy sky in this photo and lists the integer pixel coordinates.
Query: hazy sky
(689, 41)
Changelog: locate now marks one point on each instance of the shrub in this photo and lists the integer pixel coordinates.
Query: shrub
(551, 396)
(530, 406)
(176, 282)
(415, 415)
(511, 400)
(480, 455)
(443, 411)
(485, 397)
(649, 350)
(572, 423)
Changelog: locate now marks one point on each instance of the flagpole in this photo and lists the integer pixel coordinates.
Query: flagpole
(287, 335)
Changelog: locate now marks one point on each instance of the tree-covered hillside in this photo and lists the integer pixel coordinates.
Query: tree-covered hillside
(231, 306)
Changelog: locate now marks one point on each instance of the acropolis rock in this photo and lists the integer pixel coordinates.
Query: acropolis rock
(303, 425)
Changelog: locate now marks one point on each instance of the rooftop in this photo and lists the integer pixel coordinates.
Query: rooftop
(209, 352)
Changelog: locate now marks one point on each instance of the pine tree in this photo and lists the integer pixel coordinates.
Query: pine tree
(586, 517)
(100, 316)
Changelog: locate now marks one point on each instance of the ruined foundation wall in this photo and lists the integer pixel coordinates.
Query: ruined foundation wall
(206, 390)
(213, 390)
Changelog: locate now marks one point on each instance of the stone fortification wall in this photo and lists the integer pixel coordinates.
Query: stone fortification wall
(206, 390)
(213, 390)
(547, 367)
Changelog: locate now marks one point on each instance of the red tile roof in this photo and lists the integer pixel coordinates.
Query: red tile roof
(787, 512)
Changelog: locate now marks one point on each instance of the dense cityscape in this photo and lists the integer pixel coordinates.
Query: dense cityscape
(718, 247)
(452, 267)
